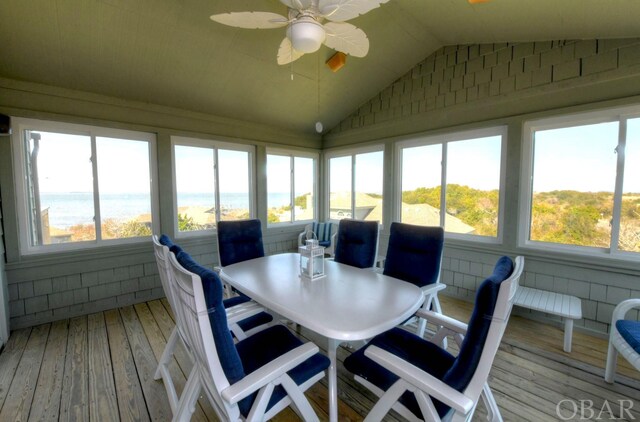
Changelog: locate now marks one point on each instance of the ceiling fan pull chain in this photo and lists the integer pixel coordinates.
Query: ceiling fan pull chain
(291, 62)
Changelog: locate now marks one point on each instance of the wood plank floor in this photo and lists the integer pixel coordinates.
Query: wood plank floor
(100, 368)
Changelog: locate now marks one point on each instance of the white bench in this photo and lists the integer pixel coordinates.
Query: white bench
(566, 306)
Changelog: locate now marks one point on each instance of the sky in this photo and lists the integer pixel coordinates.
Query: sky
(474, 163)
(195, 170)
(580, 158)
(279, 174)
(583, 158)
(369, 173)
(64, 164)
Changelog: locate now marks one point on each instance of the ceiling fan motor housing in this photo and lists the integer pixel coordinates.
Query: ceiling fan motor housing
(306, 34)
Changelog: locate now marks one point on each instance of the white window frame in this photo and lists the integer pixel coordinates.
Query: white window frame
(444, 139)
(292, 156)
(93, 132)
(213, 145)
(619, 114)
(352, 152)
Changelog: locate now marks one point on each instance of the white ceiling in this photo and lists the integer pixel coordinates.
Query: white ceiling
(169, 52)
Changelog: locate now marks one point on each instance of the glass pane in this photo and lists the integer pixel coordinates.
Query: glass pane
(573, 182)
(303, 178)
(340, 188)
(60, 187)
(629, 239)
(233, 172)
(421, 181)
(473, 183)
(125, 188)
(369, 181)
(278, 188)
(195, 186)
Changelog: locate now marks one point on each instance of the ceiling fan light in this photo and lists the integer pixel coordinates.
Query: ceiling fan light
(306, 35)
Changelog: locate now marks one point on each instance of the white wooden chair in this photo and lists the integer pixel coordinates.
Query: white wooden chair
(325, 233)
(414, 254)
(253, 379)
(420, 380)
(237, 315)
(624, 338)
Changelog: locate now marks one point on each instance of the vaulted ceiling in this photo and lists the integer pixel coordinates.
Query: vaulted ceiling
(169, 52)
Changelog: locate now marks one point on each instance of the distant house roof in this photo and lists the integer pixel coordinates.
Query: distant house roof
(420, 214)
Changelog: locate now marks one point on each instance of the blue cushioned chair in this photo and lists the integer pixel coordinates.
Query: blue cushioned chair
(414, 254)
(253, 379)
(624, 338)
(161, 249)
(239, 241)
(422, 381)
(245, 318)
(324, 233)
(357, 243)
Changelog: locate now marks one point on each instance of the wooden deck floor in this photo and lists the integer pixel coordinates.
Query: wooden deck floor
(100, 367)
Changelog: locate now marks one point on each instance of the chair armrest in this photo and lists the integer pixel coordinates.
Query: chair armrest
(623, 307)
(243, 311)
(431, 289)
(443, 320)
(420, 379)
(269, 372)
(300, 236)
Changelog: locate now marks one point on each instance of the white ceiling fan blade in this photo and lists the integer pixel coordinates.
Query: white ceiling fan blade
(347, 38)
(297, 4)
(343, 10)
(286, 53)
(251, 20)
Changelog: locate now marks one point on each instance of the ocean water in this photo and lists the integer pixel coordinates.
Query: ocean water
(68, 209)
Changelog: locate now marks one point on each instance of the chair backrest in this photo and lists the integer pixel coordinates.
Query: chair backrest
(162, 247)
(205, 323)
(239, 241)
(414, 253)
(357, 243)
(161, 251)
(323, 231)
(494, 301)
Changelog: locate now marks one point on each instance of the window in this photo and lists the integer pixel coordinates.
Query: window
(583, 182)
(290, 188)
(355, 185)
(213, 183)
(453, 181)
(82, 184)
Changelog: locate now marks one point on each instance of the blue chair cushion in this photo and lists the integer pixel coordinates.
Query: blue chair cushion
(356, 243)
(252, 321)
(425, 355)
(165, 240)
(630, 332)
(267, 345)
(323, 232)
(175, 249)
(460, 373)
(239, 241)
(212, 287)
(236, 300)
(414, 253)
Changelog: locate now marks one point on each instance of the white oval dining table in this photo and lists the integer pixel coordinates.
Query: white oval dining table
(347, 304)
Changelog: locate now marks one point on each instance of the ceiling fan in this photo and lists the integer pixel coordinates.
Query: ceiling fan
(306, 31)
